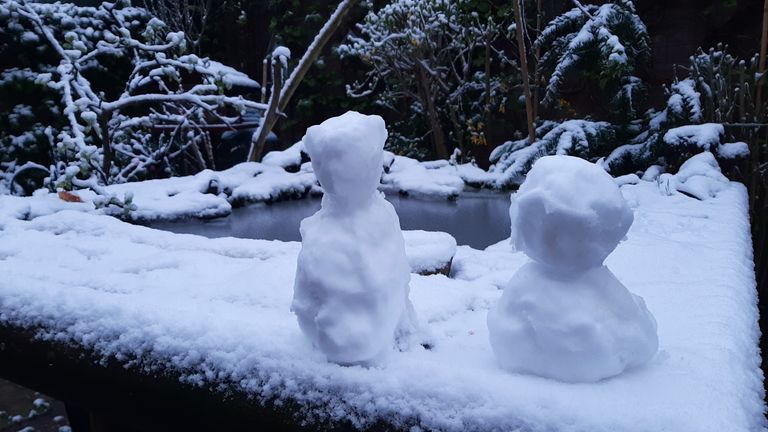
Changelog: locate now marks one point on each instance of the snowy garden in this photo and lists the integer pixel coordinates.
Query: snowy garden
(448, 215)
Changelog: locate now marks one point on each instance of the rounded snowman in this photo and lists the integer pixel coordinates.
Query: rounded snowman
(564, 315)
(352, 275)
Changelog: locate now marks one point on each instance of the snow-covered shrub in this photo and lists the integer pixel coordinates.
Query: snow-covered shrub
(683, 107)
(424, 56)
(122, 97)
(718, 89)
(601, 43)
(727, 85)
(583, 138)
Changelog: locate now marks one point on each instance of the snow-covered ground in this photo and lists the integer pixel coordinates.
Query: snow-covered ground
(217, 310)
(281, 176)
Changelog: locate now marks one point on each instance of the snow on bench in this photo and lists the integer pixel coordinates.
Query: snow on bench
(215, 313)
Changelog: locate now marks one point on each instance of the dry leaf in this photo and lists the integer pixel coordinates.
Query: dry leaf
(69, 197)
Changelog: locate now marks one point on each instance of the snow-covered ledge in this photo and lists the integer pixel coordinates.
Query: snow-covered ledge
(213, 314)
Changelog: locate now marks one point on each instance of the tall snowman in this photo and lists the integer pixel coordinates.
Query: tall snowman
(352, 276)
(564, 315)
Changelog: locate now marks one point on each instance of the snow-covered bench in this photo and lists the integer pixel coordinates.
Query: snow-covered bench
(138, 325)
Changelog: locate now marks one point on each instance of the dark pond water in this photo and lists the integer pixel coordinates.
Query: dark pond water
(475, 219)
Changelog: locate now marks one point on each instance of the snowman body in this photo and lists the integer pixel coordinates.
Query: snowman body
(352, 276)
(564, 315)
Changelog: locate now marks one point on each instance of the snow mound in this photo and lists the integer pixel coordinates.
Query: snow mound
(429, 251)
(566, 316)
(734, 150)
(700, 177)
(289, 157)
(423, 179)
(705, 136)
(626, 179)
(580, 327)
(569, 214)
(652, 173)
(352, 275)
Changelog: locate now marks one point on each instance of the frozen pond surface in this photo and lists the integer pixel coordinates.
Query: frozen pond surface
(475, 219)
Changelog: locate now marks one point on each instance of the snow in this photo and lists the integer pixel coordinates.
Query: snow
(685, 101)
(230, 76)
(420, 179)
(216, 312)
(565, 315)
(733, 150)
(700, 177)
(571, 220)
(352, 275)
(652, 173)
(210, 194)
(428, 251)
(513, 158)
(281, 51)
(626, 179)
(285, 158)
(574, 327)
(704, 136)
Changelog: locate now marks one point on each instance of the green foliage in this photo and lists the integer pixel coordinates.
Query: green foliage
(602, 44)
(582, 138)
(435, 61)
(719, 88)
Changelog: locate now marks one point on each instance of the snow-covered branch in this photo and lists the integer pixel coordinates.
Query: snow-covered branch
(108, 138)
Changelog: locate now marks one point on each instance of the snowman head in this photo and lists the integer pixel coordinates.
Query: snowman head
(569, 214)
(347, 153)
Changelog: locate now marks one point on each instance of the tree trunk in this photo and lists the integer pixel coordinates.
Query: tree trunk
(457, 129)
(270, 118)
(438, 136)
(524, 69)
(754, 152)
(313, 52)
(537, 57)
(264, 72)
(761, 60)
(281, 97)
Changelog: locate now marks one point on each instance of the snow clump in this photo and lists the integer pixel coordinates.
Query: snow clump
(564, 315)
(352, 278)
(700, 177)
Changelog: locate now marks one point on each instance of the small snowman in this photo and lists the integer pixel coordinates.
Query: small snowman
(564, 315)
(352, 276)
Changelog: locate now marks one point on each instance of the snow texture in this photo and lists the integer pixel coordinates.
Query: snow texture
(188, 306)
(704, 136)
(230, 76)
(428, 251)
(565, 315)
(570, 214)
(700, 177)
(627, 179)
(352, 275)
(422, 179)
(652, 173)
(513, 159)
(210, 194)
(733, 150)
(285, 158)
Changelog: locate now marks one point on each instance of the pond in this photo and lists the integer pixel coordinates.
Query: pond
(475, 219)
